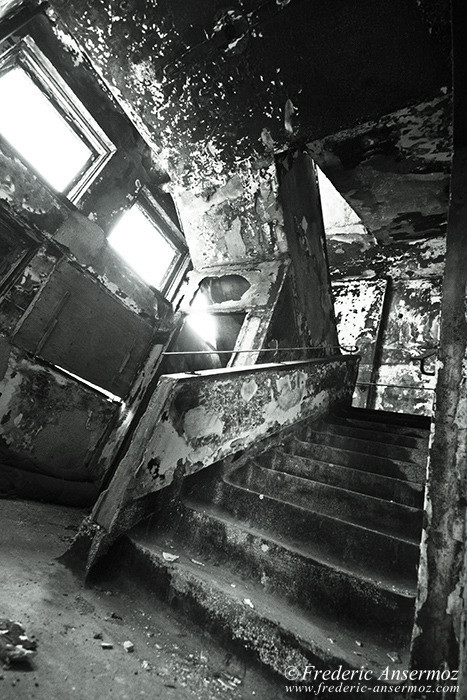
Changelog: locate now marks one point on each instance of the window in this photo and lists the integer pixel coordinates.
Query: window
(150, 243)
(46, 124)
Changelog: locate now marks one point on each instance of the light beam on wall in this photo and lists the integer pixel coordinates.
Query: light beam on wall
(201, 322)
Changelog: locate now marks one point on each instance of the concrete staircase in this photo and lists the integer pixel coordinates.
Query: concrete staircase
(304, 554)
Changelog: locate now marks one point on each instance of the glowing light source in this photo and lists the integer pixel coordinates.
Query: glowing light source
(138, 240)
(203, 323)
(31, 123)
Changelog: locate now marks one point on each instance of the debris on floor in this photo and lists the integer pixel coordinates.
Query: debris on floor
(14, 643)
(170, 557)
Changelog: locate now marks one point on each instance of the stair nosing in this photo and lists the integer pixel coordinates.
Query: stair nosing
(375, 411)
(366, 440)
(337, 488)
(364, 454)
(216, 513)
(332, 423)
(282, 451)
(415, 543)
(273, 603)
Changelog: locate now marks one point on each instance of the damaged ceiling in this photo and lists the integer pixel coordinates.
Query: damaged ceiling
(394, 172)
(364, 85)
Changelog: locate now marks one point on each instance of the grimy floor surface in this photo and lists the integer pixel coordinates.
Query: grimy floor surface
(171, 659)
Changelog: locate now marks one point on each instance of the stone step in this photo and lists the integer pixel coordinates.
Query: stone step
(353, 418)
(375, 464)
(280, 568)
(405, 492)
(248, 618)
(321, 536)
(341, 426)
(352, 507)
(365, 446)
(404, 420)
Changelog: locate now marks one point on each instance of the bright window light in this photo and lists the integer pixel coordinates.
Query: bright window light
(143, 246)
(201, 322)
(31, 123)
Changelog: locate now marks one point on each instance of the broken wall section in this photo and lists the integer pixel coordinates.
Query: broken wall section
(66, 298)
(394, 173)
(51, 428)
(267, 228)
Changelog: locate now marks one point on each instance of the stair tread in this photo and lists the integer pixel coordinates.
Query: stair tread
(388, 417)
(390, 536)
(336, 489)
(314, 631)
(384, 462)
(343, 471)
(400, 453)
(380, 515)
(368, 423)
(311, 549)
(309, 443)
(339, 426)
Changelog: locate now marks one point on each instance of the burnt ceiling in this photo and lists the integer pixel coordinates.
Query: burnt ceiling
(394, 171)
(211, 85)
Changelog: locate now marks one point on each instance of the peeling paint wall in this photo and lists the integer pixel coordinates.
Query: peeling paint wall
(394, 172)
(238, 221)
(410, 329)
(410, 260)
(50, 422)
(211, 85)
(217, 91)
(359, 308)
(393, 323)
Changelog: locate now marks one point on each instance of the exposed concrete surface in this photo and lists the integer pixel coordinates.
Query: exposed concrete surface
(64, 616)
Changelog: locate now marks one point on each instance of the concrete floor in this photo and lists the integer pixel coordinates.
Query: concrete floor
(171, 659)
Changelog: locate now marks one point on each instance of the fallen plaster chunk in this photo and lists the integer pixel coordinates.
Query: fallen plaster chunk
(128, 646)
(170, 557)
(248, 602)
(14, 643)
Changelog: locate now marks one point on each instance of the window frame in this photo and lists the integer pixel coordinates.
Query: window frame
(26, 55)
(165, 227)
